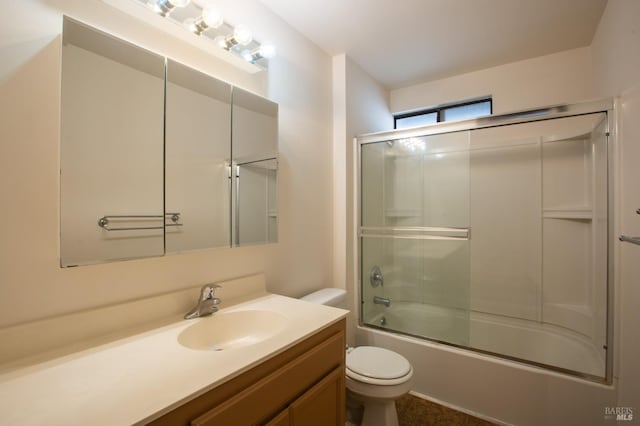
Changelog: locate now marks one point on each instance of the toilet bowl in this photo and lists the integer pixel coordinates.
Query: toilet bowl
(375, 377)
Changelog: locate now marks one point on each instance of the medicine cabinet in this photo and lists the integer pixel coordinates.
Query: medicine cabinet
(156, 157)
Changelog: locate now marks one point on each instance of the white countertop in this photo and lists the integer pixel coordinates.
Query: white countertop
(137, 379)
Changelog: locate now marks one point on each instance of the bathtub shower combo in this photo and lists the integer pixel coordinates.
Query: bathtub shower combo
(493, 235)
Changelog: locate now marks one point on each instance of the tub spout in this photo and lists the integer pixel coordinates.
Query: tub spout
(382, 301)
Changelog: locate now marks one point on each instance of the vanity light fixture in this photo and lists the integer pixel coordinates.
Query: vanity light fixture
(266, 50)
(210, 18)
(241, 36)
(202, 18)
(164, 7)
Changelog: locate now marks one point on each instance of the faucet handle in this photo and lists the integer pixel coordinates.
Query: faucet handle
(208, 290)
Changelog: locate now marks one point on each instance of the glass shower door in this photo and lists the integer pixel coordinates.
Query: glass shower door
(414, 236)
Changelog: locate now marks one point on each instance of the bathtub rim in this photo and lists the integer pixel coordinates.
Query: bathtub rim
(506, 360)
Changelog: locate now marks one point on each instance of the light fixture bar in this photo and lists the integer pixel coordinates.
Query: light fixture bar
(164, 7)
(201, 24)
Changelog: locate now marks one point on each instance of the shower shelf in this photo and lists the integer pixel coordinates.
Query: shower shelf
(402, 213)
(578, 213)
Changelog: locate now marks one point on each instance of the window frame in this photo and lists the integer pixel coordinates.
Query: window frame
(439, 110)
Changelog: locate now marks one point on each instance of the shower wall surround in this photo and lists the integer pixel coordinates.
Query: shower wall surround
(485, 234)
(148, 162)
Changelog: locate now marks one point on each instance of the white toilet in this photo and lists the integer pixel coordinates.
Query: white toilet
(374, 376)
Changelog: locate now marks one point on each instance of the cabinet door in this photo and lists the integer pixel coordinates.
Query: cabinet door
(281, 419)
(322, 405)
(271, 394)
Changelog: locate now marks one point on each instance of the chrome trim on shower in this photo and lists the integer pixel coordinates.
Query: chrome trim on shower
(527, 116)
(376, 279)
(415, 232)
(386, 302)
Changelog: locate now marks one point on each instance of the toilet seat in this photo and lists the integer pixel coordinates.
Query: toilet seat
(377, 366)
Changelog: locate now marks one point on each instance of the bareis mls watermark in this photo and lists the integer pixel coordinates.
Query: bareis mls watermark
(618, 413)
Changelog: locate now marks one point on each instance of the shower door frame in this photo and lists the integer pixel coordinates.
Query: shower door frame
(526, 116)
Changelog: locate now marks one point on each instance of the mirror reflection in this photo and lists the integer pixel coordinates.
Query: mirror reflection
(157, 157)
(198, 149)
(255, 160)
(111, 148)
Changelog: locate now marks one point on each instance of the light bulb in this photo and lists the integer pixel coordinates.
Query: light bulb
(202, 3)
(190, 23)
(153, 5)
(221, 42)
(164, 7)
(212, 17)
(248, 56)
(242, 35)
(267, 50)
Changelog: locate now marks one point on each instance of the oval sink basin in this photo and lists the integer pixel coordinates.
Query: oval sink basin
(224, 331)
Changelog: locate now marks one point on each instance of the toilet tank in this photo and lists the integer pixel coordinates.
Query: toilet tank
(328, 296)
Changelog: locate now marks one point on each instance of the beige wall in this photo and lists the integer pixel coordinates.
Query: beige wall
(616, 70)
(547, 80)
(32, 285)
(361, 105)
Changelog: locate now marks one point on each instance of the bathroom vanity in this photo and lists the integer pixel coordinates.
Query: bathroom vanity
(304, 385)
(261, 359)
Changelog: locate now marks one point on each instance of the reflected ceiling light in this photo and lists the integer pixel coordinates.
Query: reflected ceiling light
(164, 7)
(413, 144)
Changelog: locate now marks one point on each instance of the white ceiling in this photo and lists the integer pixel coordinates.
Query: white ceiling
(403, 42)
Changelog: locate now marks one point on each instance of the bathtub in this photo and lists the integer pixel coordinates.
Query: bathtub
(538, 343)
(512, 388)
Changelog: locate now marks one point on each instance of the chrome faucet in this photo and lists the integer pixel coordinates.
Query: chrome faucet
(382, 301)
(206, 304)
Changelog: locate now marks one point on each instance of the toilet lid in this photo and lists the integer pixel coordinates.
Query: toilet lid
(379, 363)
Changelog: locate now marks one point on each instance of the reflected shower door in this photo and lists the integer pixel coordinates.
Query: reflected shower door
(414, 236)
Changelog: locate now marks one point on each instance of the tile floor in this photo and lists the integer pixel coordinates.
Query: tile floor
(414, 411)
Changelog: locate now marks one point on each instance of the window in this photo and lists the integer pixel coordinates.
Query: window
(459, 111)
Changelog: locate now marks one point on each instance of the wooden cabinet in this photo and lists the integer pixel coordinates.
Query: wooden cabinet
(319, 406)
(302, 386)
(322, 404)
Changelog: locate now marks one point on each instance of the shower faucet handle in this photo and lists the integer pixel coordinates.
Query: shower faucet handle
(375, 277)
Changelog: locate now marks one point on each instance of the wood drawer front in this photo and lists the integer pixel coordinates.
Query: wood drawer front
(281, 419)
(271, 394)
(323, 404)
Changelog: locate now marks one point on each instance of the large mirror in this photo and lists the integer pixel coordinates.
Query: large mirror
(255, 161)
(198, 149)
(111, 159)
(156, 157)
